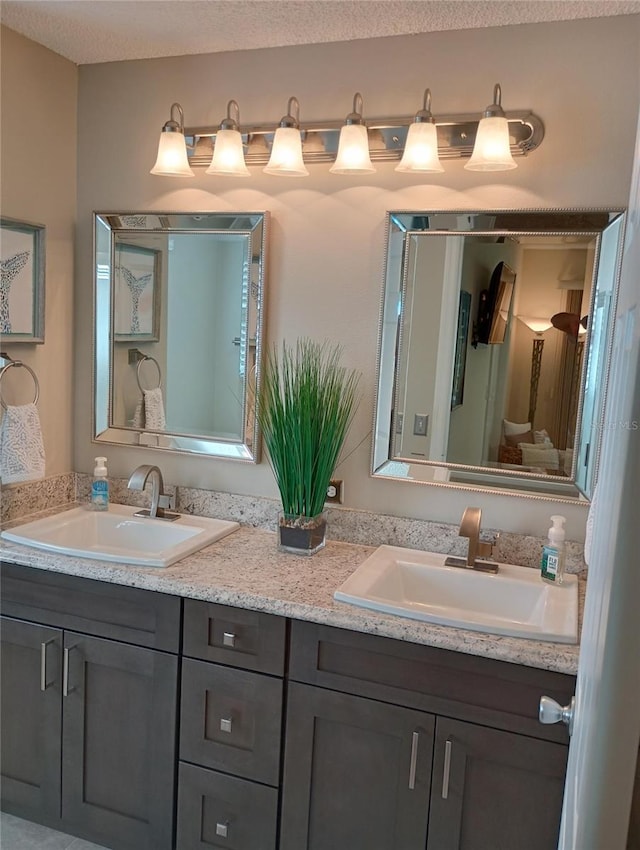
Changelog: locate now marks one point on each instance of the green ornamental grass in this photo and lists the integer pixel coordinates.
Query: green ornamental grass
(305, 406)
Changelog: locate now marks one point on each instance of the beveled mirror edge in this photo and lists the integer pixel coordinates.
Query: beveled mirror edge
(573, 494)
(192, 444)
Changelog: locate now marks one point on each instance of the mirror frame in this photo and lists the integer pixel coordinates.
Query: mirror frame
(254, 226)
(524, 222)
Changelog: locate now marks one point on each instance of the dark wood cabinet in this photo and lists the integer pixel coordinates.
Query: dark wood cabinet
(30, 718)
(88, 723)
(494, 789)
(357, 773)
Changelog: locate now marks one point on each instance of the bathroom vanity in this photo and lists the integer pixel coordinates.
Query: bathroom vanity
(228, 701)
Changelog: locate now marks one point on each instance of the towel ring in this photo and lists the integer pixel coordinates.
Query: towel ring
(31, 372)
(140, 362)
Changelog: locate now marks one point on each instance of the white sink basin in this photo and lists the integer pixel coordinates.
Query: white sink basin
(117, 535)
(416, 584)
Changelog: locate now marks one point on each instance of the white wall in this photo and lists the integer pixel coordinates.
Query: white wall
(327, 234)
(38, 179)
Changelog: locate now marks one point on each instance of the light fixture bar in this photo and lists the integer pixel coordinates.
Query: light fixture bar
(456, 138)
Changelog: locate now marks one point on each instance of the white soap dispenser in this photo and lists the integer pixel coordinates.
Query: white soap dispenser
(100, 486)
(553, 552)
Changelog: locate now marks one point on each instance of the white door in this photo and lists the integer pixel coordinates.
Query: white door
(606, 730)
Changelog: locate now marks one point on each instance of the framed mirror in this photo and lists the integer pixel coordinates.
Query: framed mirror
(494, 343)
(178, 330)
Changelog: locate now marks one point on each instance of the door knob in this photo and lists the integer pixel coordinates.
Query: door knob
(552, 712)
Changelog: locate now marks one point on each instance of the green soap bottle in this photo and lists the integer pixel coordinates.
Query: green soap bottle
(553, 552)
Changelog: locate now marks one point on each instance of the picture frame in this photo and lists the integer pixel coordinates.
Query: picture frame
(460, 359)
(137, 293)
(22, 288)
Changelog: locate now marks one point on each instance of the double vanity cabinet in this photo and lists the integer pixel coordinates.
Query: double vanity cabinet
(144, 721)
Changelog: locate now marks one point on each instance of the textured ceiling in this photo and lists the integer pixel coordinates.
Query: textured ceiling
(88, 31)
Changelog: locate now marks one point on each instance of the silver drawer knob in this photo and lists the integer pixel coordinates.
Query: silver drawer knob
(228, 639)
(226, 724)
(222, 829)
(552, 712)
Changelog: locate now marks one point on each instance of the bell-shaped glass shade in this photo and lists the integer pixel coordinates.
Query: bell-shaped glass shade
(172, 156)
(286, 154)
(353, 151)
(491, 151)
(228, 156)
(421, 149)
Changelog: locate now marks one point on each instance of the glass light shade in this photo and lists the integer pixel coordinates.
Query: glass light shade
(353, 151)
(172, 156)
(286, 154)
(537, 325)
(491, 151)
(421, 149)
(228, 155)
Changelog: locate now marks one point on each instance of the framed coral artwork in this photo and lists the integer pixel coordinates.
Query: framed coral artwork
(137, 293)
(22, 246)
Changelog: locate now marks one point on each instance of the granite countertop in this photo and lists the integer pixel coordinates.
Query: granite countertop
(246, 570)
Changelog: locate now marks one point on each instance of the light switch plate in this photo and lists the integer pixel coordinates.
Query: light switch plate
(420, 424)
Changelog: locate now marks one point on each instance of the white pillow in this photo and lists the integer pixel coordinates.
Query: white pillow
(539, 456)
(513, 428)
(542, 438)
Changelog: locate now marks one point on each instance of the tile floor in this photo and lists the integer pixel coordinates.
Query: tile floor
(18, 834)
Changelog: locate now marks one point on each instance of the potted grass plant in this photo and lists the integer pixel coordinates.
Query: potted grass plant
(306, 403)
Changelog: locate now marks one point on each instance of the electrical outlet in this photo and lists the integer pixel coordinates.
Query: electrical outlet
(335, 492)
(420, 424)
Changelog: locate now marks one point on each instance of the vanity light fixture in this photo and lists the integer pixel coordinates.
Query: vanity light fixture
(172, 148)
(228, 155)
(353, 147)
(421, 148)
(420, 143)
(492, 149)
(286, 153)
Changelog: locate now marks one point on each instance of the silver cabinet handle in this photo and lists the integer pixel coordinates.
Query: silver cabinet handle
(66, 690)
(228, 639)
(414, 760)
(447, 770)
(225, 724)
(43, 663)
(551, 711)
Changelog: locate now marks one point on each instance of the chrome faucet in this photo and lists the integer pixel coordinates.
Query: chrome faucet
(159, 499)
(470, 527)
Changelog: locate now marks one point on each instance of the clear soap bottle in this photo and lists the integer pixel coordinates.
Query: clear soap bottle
(100, 486)
(553, 552)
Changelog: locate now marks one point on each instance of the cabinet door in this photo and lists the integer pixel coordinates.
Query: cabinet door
(494, 789)
(30, 713)
(119, 743)
(357, 773)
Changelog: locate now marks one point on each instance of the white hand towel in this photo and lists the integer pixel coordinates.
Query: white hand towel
(21, 445)
(154, 419)
(138, 415)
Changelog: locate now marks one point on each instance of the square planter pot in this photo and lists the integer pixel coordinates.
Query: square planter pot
(301, 535)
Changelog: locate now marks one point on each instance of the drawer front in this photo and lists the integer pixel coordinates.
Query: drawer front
(99, 608)
(218, 811)
(234, 636)
(231, 720)
(453, 684)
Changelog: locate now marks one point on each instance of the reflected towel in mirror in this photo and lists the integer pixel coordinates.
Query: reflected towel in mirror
(21, 445)
(149, 412)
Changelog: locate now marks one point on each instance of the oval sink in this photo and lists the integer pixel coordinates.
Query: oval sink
(118, 536)
(419, 585)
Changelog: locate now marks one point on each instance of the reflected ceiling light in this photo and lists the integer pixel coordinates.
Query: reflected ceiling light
(492, 150)
(537, 325)
(172, 148)
(286, 153)
(228, 154)
(421, 147)
(353, 146)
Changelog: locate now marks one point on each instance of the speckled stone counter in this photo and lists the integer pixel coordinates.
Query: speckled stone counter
(246, 570)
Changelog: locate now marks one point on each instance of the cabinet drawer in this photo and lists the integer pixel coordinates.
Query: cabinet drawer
(221, 811)
(234, 636)
(128, 614)
(482, 690)
(231, 720)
